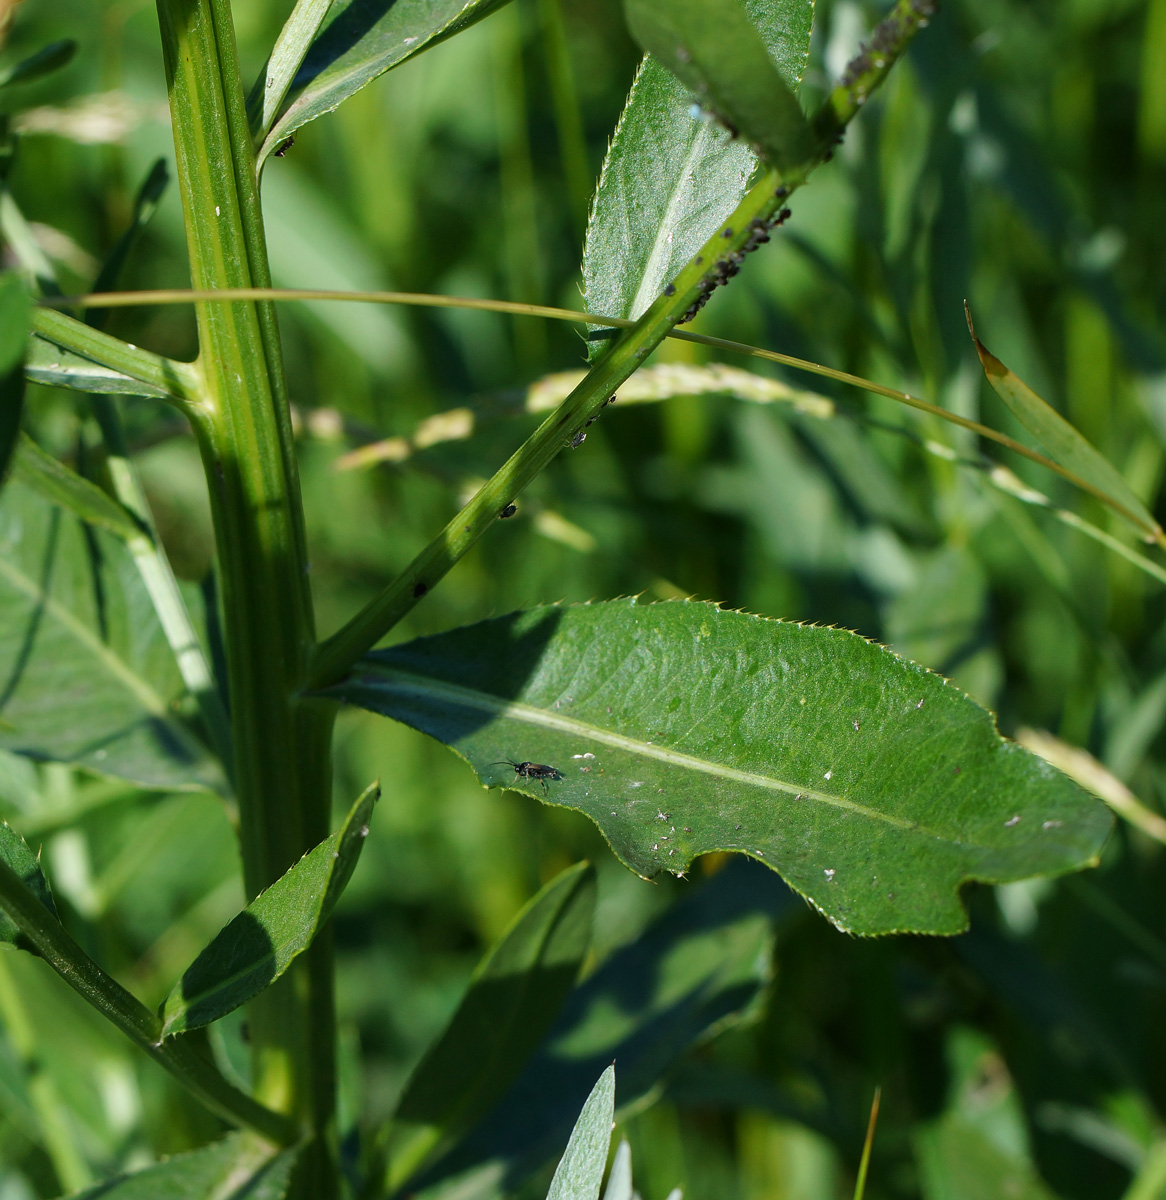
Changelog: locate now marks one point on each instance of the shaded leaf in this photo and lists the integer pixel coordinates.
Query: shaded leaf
(15, 852)
(61, 485)
(672, 175)
(1061, 441)
(874, 787)
(693, 970)
(44, 62)
(579, 1174)
(255, 948)
(714, 48)
(978, 1149)
(363, 40)
(239, 1168)
(86, 673)
(513, 998)
(1046, 1002)
(15, 308)
(145, 204)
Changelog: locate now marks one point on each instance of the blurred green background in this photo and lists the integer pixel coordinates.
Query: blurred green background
(1017, 158)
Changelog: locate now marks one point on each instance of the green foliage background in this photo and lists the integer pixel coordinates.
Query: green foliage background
(1016, 158)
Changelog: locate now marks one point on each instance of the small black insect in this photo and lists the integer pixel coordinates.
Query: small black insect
(507, 512)
(579, 439)
(284, 146)
(529, 770)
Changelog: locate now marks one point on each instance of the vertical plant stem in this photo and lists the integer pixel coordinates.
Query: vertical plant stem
(281, 743)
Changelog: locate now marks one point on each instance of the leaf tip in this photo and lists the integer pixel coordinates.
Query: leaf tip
(991, 364)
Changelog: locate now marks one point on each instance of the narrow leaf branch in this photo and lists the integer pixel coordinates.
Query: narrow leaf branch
(866, 71)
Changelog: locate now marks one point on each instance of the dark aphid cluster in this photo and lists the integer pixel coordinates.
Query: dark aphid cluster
(725, 268)
(580, 437)
(284, 146)
(885, 42)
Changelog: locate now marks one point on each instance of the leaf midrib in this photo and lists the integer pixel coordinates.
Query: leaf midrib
(408, 683)
(652, 274)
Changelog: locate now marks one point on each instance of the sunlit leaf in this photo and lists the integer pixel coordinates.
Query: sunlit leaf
(579, 1174)
(239, 1167)
(874, 787)
(258, 945)
(673, 174)
(514, 997)
(287, 55)
(714, 48)
(364, 39)
(1062, 442)
(15, 852)
(86, 673)
(619, 1182)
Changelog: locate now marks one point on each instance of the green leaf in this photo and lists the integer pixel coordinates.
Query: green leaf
(295, 38)
(86, 673)
(255, 948)
(363, 40)
(619, 1182)
(579, 1174)
(44, 62)
(691, 972)
(145, 204)
(51, 364)
(874, 787)
(15, 852)
(513, 998)
(60, 485)
(15, 309)
(978, 1149)
(239, 1167)
(672, 176)
(714, 48)
(1062, 442)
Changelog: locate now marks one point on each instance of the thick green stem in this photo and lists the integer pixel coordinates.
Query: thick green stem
(281, 742)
